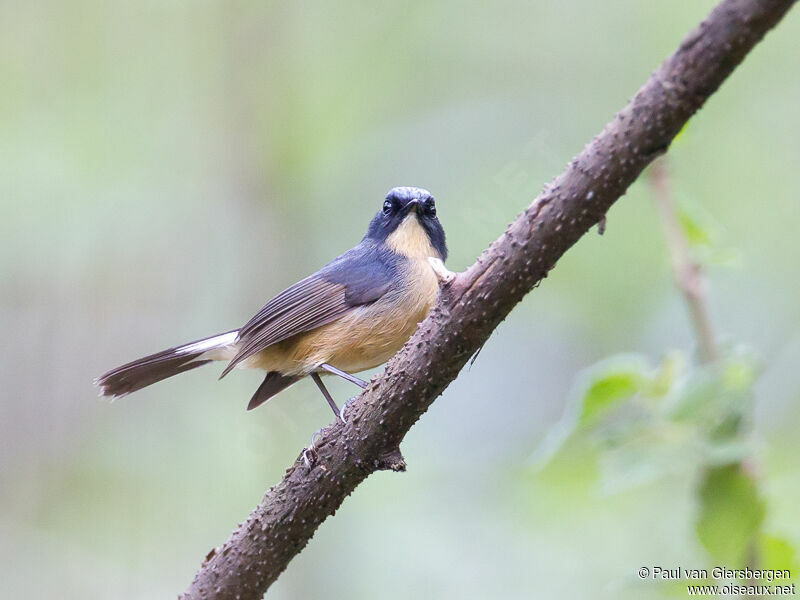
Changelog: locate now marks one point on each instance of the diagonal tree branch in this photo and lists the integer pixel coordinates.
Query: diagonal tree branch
(474, 302)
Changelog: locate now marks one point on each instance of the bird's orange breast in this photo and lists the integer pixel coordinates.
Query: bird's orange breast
(370, 334)
(365, 337)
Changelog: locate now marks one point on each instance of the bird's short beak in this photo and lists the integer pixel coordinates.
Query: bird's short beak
(412, 205)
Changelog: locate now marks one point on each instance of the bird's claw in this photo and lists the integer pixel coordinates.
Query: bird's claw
(311, 450)
(344, 408)
(314, 437)
(443, 274)
(313, 454)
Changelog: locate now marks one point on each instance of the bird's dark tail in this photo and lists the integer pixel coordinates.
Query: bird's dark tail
(273, 383)
(140, 373)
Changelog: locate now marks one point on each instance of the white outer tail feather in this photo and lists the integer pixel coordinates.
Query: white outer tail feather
(215, 348)
(150, 369)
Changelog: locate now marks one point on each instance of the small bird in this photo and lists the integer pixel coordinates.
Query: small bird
(353, 314)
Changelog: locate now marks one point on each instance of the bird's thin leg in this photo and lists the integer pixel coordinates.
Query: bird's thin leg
(326, 393)
(351, 378)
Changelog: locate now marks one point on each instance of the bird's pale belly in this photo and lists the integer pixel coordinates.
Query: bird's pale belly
(363, 338)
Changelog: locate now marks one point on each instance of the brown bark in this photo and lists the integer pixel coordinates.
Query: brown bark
(474, 302)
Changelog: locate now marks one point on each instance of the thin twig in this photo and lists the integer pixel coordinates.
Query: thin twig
(687, 271)
(689, 280)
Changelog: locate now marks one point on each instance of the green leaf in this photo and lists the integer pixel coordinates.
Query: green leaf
(719, 257)
(604, 393)
(696, 234)
(777, 553)
(608, 384)
(731, 513)
(681, 135)
(600, 388)
(672, 367)
(727, 451)
(740, 373)
(643, 460)
(697, 397)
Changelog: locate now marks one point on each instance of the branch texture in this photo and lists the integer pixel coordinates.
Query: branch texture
(474, 302)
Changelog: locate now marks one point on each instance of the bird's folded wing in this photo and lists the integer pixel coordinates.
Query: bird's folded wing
(360, 276)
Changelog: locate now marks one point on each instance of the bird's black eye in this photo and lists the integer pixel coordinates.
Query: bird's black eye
(387, 207)
(430, 208)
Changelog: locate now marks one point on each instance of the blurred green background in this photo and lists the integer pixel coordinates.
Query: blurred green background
(167, 167)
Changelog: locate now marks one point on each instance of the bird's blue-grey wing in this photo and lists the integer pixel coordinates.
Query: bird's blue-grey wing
(359, 276)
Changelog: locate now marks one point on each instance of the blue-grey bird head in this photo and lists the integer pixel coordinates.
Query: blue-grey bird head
(407, 211)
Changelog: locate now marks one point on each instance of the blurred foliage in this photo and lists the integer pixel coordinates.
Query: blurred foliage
(645, 422)
(648, 420)
(731, 514)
